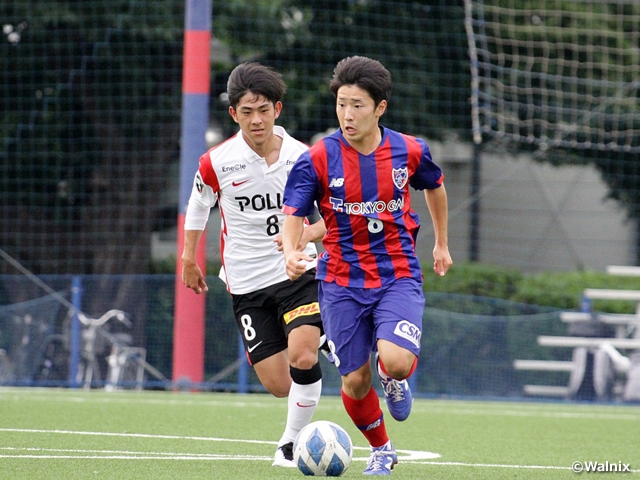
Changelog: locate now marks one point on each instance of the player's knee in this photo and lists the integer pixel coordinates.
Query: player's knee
(399, 367)
(304, 359)
(278, 390)
(357, 384)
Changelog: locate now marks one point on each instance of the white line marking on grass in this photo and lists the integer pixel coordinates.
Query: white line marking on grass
(127, 452)
(140, 457)
(137, 435)
(404, 455)
(493, 465)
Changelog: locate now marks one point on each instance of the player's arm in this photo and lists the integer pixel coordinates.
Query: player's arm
(313, 232)
(292, 231)
(298, 203)
(191, 274)
(438, 208)
(201, 200)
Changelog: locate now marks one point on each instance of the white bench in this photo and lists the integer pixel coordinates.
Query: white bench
(609, 294)
(625, 325)
(575, 342)
(575, 367)
(609, 318)
(544, 365)
(546, 390)
(623, 270)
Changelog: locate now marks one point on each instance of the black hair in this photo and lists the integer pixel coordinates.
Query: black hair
(257, 79)
(365, 73)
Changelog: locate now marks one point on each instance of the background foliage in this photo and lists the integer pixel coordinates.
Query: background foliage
(91, 99)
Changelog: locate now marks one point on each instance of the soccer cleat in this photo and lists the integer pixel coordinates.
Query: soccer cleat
(397, 394)
(324, 348)
(284, 456)
(382, 460)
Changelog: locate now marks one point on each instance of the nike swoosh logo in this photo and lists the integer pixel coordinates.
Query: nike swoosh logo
(305, 406)
(252, 348)
(237, 184)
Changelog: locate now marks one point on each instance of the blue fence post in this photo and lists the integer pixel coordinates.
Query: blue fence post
(243, 370)
(585, 305)
(74, 341)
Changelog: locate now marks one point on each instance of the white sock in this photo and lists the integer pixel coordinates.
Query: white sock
(302, 402)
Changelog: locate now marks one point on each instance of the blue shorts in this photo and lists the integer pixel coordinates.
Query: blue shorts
(355, 318)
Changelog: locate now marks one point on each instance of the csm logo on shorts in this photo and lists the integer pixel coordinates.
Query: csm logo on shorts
(302, 310)
(408, 330)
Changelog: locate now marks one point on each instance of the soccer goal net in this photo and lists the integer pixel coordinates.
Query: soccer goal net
(556, 73)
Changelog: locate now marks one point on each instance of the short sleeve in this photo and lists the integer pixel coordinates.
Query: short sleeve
(301, 189)
(428, 175)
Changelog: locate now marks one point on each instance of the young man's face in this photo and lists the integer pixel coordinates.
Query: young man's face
(357, 114)
(256, 116)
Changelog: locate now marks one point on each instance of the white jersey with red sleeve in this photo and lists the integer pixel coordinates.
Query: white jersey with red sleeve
(249, 194)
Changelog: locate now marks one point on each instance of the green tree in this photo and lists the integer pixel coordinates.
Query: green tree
(422, 43)
(91, 122)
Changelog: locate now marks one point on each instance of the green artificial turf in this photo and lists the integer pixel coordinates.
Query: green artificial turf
(78, 434)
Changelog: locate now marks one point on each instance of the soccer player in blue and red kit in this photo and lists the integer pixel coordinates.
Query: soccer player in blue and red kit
(370, 288)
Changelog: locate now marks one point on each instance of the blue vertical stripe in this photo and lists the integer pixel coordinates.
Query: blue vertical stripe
(195, 119)
(198, 15)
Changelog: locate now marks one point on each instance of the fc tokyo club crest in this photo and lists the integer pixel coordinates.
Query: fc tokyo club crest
(400, 176)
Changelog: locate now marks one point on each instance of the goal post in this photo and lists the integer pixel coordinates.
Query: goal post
(556, 73)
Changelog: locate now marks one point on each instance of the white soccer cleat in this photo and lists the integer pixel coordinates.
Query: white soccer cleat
(284, 456)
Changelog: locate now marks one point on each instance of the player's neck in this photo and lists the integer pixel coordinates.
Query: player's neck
(367, 144)
(269, 149)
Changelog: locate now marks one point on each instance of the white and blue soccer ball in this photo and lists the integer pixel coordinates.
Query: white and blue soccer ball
(323, 449)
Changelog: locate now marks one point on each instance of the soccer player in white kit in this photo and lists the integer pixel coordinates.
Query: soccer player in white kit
(279, 319)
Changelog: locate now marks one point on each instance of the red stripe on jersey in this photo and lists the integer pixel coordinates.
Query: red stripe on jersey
(359, 223)
(223, 233)
(331, 238)
(414, 153)
(210, 178)
(414, 157)
(384, 173)
(206, 170)
(319, 161)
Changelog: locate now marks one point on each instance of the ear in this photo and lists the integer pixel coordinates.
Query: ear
(381, 108)
(278, 108)
(234, 115)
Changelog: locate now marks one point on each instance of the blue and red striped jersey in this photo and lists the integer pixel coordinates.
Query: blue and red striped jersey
(366, 206)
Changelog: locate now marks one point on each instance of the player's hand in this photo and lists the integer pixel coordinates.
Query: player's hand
(296, 264)
(192, 278)
(441, 260)
(278, 241)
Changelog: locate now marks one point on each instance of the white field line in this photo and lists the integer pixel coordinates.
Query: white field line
(405, 456)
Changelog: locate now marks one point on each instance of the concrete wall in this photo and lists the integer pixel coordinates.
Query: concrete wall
(533, 216)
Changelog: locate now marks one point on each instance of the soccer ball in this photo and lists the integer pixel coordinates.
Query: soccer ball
(323, 449)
